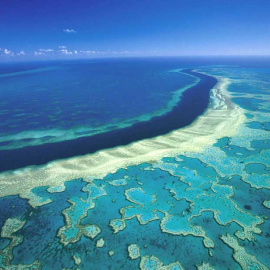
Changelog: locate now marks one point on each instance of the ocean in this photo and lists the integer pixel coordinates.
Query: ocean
(152, 163)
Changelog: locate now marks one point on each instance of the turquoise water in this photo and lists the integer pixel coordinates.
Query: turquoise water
(207, 209)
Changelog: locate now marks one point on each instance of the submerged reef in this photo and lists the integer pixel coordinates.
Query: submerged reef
(207, 208)
(9, 229)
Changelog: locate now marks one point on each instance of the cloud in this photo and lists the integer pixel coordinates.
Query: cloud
(65, 51)
(88, 52)
(21, 53)
(7, 52)
(69, 31)
(38, 53)
(108, 52)
(46, 50)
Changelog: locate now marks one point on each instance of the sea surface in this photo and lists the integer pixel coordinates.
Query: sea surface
(197, 210)
(57, 101)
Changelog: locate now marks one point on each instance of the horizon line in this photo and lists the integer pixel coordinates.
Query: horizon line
(16, 60)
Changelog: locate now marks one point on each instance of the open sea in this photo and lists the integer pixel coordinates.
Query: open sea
(200, 209)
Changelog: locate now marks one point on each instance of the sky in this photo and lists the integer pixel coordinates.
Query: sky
(52, 29)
